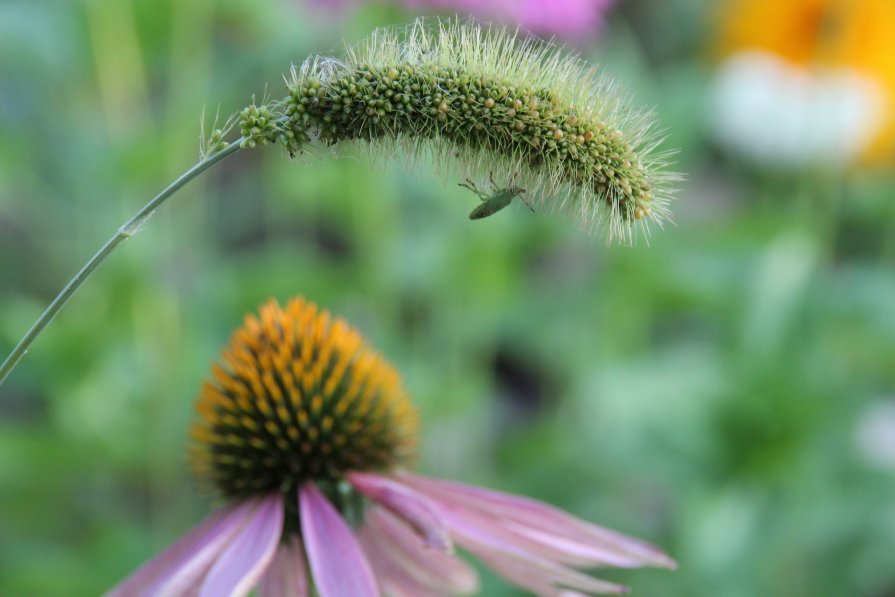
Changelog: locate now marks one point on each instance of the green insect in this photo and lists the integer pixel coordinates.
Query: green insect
(495, 200)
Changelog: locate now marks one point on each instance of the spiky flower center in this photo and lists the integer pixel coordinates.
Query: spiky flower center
(300, 396)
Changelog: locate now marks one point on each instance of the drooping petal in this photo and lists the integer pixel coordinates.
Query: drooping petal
(539, 575)
(392, 579)
(286, 576)
(239, 567)
(179, 569)
(546, 578)
(338, 565)
(412, 506)
(545, 524)
(541, 545)
(396, 556)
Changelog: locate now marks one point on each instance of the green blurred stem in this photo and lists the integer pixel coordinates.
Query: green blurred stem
(129, 229)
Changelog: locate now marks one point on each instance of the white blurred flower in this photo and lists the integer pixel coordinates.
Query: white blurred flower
(777, 113)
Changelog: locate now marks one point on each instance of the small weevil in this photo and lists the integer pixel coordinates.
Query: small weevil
(494, 201)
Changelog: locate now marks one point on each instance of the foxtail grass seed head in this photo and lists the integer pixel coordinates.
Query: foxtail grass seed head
(299, 396)
(482, 100)
(488, 100)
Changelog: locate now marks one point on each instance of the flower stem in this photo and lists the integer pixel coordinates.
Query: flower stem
(127, 230)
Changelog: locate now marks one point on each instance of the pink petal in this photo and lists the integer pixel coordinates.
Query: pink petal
(416, 509)
(286, 576)
(544, 523)
(238, 569)
(395, 549)
(338, 565)
(178, 569)
(549, 579)
(524, 569)
(392, 579)
(541, 545)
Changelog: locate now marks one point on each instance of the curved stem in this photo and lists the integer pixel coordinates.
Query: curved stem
(127, 230)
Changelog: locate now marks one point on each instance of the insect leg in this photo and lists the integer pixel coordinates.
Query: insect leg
(525, 201)
(472, 187)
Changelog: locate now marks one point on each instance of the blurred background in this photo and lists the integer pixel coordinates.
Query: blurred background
(727, 392)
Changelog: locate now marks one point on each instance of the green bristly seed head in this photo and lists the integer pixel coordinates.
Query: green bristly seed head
(489, 101)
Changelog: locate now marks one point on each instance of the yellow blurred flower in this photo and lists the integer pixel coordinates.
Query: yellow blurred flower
(830, 63)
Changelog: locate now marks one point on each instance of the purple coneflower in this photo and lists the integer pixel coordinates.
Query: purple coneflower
(304, 432)
(568, 19)
(574, 20)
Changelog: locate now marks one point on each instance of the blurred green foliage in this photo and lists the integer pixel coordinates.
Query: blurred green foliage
(705, 392)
